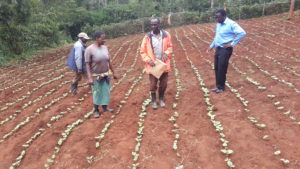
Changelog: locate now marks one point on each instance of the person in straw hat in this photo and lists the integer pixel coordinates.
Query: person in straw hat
(76, 60)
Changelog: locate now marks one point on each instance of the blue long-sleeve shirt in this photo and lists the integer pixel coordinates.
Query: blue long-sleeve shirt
(227, 32)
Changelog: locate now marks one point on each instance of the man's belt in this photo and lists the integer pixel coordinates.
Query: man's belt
(220, 47)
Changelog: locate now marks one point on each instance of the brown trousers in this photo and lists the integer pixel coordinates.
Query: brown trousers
(163, 82)
(77, 78)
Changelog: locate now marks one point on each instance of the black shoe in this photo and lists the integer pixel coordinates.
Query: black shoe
(219, 90)
(214, 90)
(153, 100)
(108, 110)
(74, 92)
(73, 88)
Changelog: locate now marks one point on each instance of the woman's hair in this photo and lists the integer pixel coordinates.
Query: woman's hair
(98, 34)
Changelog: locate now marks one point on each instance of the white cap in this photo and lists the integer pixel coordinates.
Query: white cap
(83, 35)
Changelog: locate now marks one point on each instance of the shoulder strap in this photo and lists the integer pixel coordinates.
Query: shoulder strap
(150, 37)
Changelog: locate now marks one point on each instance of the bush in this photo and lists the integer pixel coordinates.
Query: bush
(142, 25)
(257, 10)
(184, 18)
(276, 8)
(251, 11)
(123, 28)
(11, 37)
(206, 16)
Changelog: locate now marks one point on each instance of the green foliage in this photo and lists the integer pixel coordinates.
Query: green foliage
(23, 12)
(257, 10)
(22, 31)
(117, 13)
(120, 29)
(6, 13)
(206, 16)
(11, 37)
(28, 25)
(73, 21)
(276, 8)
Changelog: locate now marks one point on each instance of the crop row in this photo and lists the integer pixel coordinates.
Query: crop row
(274, 77)
(120, 48)
(279, 53)
(29, 93)
(254, 82)
(128, 70)
(37, 113)
(252, 119)
(101, 136)
(65, 134)
(29, 71)
(35, 81)
(139, 138)
(210, 107)
(126, 53)
(173, 118)
(122, 102)
(51, 159)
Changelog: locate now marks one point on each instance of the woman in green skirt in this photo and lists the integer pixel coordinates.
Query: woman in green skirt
(99, 72)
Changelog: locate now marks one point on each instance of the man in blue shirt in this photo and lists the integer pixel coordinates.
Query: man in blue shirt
(228, 34)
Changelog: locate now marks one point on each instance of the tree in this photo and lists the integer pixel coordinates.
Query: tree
(292, 7)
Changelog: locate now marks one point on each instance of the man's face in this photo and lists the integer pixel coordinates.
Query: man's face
(154, 24)
(220, 18)
(84, 40)
(101, 39)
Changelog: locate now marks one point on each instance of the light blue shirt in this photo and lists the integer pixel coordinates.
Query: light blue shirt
(227, 32)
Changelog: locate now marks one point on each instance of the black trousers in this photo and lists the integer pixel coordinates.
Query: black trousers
(222, 57)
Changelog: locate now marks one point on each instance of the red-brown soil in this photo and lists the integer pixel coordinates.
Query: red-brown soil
(258, 112)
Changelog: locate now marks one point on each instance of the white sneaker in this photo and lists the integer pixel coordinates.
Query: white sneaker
(96, 114)
(162, 103)
(154, 106)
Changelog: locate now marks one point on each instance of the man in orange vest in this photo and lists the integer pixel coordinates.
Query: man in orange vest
(157, 45)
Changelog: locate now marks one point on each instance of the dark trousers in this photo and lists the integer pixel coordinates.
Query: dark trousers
(222, 57)
(77, 78)
(163, 82)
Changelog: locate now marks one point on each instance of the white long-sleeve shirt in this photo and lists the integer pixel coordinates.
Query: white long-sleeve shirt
(79, 51)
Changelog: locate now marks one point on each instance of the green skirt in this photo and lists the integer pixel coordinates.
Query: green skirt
(101, 92)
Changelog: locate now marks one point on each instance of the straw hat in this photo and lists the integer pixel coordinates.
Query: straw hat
(83, 35)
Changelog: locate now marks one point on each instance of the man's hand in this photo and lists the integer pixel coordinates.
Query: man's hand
(209, 50)
(164, 57)
(151, 63)
(91, 82)
(228, 45)
(115, 76)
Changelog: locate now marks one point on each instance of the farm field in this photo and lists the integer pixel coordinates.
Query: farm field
(253, 125)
